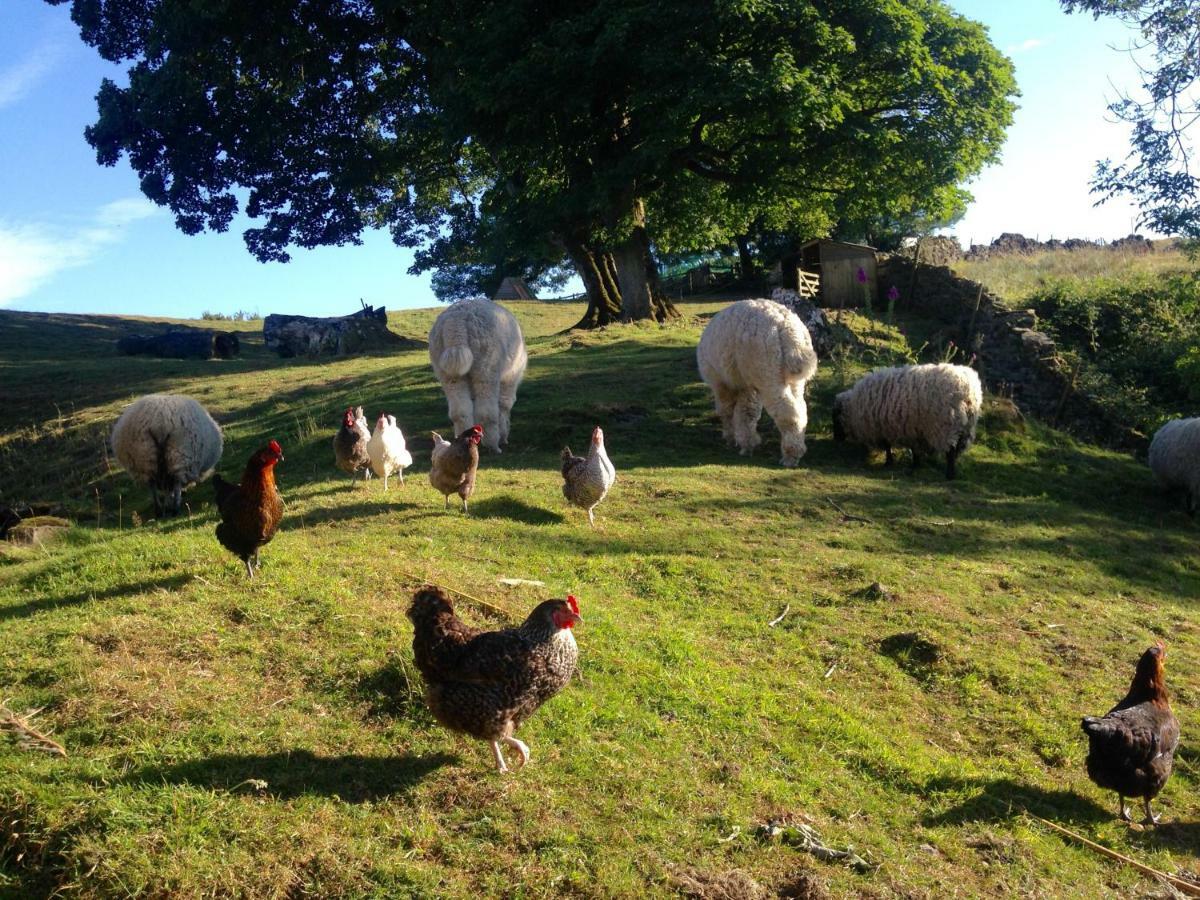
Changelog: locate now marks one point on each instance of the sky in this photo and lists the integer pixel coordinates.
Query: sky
(79, 237)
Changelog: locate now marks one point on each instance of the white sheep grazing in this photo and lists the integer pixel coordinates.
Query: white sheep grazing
(755, 354)
(928, 409)
(478, 355)
(1175, 458)
(167, 442)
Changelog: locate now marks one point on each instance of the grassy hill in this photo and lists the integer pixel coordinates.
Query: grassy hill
(919, 701)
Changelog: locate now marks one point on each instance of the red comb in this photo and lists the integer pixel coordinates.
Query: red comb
(478, 429)
(274, 447)
(573, 603)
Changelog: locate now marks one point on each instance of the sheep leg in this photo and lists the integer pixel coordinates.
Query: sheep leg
(1151, 818)
(745, 421)
(889, 458)
(176, 499)
(464, 500)
(462, 407)
(916, 460)
(787, 408)
(951, 458)
(487, 408)
(725, 400)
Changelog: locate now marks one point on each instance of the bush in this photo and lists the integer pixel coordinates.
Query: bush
(1134, 341)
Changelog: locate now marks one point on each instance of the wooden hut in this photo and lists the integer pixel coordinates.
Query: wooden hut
(514, 289)
(837, 264)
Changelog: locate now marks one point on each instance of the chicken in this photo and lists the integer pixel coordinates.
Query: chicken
(454, 464)
(350, 444)
(250, 511)
(586, 479)
(1132, 748)
(486, 683)
(387, 450)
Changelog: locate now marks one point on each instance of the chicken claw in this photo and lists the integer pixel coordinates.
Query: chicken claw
(521, 747)
(1151, 818)
(1125, 816)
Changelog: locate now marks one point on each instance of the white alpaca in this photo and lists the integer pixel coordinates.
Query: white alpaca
(755, 354)
(478, 355)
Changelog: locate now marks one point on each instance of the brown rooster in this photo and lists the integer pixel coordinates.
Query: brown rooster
(454, 464)
(350, 445)
(1132, 748)
(250, 511)
(486, 683)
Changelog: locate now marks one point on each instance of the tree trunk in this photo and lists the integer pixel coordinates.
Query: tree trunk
(637, 275)
(746, 258)
(604, 304)
(789, 269)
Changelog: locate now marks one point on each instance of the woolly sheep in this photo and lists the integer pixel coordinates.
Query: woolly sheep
(928, 409)
(167, 442)
(1175, 458)
(478, 355)
(755, 354)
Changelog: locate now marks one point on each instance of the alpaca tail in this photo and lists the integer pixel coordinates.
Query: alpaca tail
(456, 357)
(799, 359)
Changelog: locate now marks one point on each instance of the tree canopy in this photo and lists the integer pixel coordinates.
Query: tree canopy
(1159, 169)
(520, 134)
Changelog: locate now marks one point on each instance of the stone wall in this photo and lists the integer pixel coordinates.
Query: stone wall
(1012, 356)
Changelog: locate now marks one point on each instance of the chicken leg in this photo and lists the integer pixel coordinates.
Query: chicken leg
(523, 748)
(1151, 818)
(519, 746)
(1124, 810)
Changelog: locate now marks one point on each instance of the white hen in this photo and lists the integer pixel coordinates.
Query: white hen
(586, 479)
(387, 451)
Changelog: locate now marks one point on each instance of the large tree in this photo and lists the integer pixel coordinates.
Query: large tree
(1159, 171)
(515, 132)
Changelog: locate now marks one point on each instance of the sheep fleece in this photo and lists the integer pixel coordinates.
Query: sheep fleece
(193, 440)
(760, 352)
(929, 407)
(478, 355)
(1175, 456)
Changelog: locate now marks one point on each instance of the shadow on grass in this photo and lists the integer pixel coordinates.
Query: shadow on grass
(506, 507)
(297, 773)
(395, 691)
(1005, 798)
(46, 604)
(367, 509)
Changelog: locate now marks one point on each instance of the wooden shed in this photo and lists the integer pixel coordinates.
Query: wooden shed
(837, 264)
(514, 289)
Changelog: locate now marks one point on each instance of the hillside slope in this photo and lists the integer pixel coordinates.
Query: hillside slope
(268, 738)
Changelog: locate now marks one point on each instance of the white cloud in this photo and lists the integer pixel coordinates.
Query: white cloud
(19, 79)
(32, 253)
(1024, 46)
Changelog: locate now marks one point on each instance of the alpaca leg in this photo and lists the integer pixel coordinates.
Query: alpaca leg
(725, 400)
(745, 421)
(487, 408)
(385, 478)
(520, 747)
(446, 505)
(787, 408)
(400, 474)
(508, 397)
(951, 458)
(591, 516)
(462, 406)
(176, 499)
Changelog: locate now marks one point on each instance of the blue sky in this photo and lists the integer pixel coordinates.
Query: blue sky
(78, 237)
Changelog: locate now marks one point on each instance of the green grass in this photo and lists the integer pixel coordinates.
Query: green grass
(267, 738)
(1018, 278)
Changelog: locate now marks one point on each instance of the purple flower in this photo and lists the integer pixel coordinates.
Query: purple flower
(861, 275)
(893, 294)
